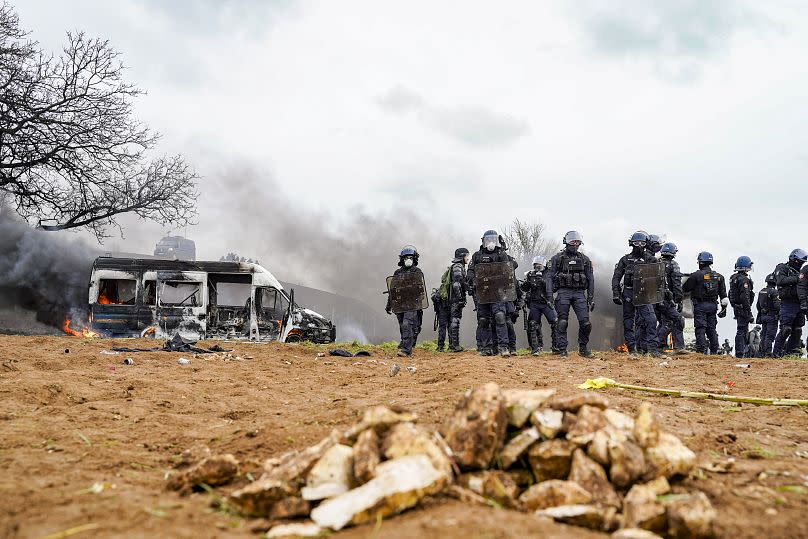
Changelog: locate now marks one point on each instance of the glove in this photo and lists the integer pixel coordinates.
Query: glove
(387, 310)
(591, 303)
(723, 312)
(519, 304)
(514, 316)
(617, 301)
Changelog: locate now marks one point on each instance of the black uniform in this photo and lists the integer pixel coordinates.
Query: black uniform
(671, 321)
(792, 320)
(490, 316)
(457, 302)
(539, 304)
(741, 296)
(570, 275)
(633, 315)
(409, 322)
(768, 315)
(706, 287)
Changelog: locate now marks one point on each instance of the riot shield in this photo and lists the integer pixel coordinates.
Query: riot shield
(494, 282)
(649, 283)
(407, 292)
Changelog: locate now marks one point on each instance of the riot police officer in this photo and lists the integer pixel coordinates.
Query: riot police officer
(768, 314)
(787, 275)
(802, 291)
(457, 296)
(671, 321)
(707, 287)
(409, 322)
(753, 342)
(741, 296)
(490, 316)
(570, 275)
(539, 304)
(624, 273)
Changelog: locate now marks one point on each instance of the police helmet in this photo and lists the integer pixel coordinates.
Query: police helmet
(461, 252)
(798, 255)
(654, 243)
(637, 237)
(705, 258)
(744, 263)
(408, 250)
(571, 236)
(540, 259)
(771, 279)
(669, 249)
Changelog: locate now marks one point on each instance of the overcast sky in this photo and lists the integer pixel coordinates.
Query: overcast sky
(686, 118)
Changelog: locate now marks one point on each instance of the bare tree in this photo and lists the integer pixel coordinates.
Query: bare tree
(71, 153)
(527, 239)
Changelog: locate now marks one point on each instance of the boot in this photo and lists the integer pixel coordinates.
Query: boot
(456, 348)
(584, 352)
(562, 353)
(504, 352)
(441, 348)
(537, 351)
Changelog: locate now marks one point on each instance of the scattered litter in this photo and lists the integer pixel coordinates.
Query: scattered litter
(67, 350)
(743, 365)
(801, 453)
(664, 364)
(411, 370)
(184, 361)
(730, 384)
(128, 361)
(394, 369)
(344, 353)
(109, 353)
(320, 354)
(134, 350)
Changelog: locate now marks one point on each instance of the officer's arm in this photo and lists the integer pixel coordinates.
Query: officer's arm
(548, 279)
(619, 272)
(775, 301)
(676, 285)
(784, 279)
(802, 289)
(722, 289)
(746, 298)
(690, 284)
(590, 279)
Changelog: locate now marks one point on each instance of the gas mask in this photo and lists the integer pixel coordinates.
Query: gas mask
(467, 259)
(537, 267)
(408, 262)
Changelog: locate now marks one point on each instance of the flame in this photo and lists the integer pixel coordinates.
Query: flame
(83, 332)
(103, 299)
(622, 348)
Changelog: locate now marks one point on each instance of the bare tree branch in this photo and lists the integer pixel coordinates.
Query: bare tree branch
(527, 239)
(71, 153)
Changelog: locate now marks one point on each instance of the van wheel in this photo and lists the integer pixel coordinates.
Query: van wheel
(293, 338)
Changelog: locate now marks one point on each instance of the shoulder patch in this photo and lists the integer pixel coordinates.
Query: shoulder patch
(707, 277)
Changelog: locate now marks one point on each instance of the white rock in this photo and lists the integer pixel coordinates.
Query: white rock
(399, 484)
(517, 446)
(548, 421)
(669, 457)
(293, 531)
(520, 403)
(331, 475)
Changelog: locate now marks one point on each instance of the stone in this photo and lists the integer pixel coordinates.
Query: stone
(551, 459)
(466, 496)
(619, 420)
(379, 418)
(517, 446)
(691, 517)
(476, 429)
(591, 476)
(641, 510)
(291, 467)
(405, 439)
(553, 493)
(258, 498)
(588, 420)
(212, 471)
(296, 531)
(494, 485)
(548, 421)
(291, 507)
(399, 484)
(522, 477)
(646, 426)
(627, 463)
(520, 403)
(669, 457)
(366, 456)
(634, 533)
(331, 475)
(659, 486)
(598, 448)
(586, 516)
(572, 403)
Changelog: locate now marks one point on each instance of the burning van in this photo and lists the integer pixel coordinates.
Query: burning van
(199, 300)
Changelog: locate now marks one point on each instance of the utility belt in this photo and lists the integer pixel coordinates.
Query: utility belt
(576, 280)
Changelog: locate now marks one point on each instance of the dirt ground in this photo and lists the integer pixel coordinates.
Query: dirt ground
(73, 419)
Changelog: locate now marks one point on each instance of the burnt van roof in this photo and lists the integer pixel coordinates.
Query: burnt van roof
(157, 264)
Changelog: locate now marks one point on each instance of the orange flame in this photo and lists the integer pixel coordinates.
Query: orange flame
(83, 332)
(103, 299)
(622, 348)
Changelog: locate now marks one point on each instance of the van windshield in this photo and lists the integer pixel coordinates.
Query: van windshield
(180, 293)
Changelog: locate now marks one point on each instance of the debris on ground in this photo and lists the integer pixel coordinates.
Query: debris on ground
(569, 458)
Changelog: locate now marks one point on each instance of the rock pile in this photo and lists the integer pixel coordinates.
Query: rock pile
(571, 459)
